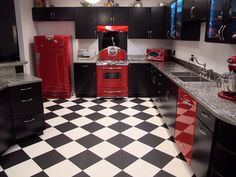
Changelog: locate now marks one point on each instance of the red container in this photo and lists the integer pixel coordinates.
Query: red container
(232, 63)
(158, 54)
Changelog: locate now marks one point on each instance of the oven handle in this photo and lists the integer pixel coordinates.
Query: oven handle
(119, 91)
(112, 68)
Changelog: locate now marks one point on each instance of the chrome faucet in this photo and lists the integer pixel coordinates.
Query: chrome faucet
(192, 58)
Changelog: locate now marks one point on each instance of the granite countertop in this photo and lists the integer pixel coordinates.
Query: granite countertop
(13, 63)
(18, 79)
(85, 60)
(205, 93)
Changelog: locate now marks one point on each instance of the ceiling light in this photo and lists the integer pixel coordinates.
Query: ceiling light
(92, 1)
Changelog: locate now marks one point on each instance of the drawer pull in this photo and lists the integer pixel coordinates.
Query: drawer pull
(31, 120)
(112, 91)
(84, 66)
(205, 115)
(25, 101)
(202, 131)
(25, 89)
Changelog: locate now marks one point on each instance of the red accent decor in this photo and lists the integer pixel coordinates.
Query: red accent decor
(120, 55)
(232, 63)
(227, 96)
(158, 54)
(185, 123)
(112, 28)
(53, 64)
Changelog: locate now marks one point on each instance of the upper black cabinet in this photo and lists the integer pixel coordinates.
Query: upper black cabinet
(85, 23)
(112, 16)
(181, 28)
(139, 21)
(54, 14)
(221, 21)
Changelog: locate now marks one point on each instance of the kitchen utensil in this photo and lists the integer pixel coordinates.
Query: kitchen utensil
(227, 82)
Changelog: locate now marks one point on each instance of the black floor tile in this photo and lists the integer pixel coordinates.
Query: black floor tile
(138, 101)
(151, 140)
(121, 159)
(81, 174)
(75, 108)
(66, 127)
(41, 174)
(99, 101)
(3, 174)
(71, 116)
(163, 174)
(119, 126)
(49, 159)
(92, 127)
(95, 116)
(122, 174)
(58, 101)
(49, 115)
(143, 116)
(29, 141)
(89, 141)
(120, 140)
(119, 107)
(157, 158)
(140, 107)
(119, 116)
(79, 101)
(14, 158)
(146, 126)
(97, 108)
(181, 156)
(85, 159)
(171, 138)
(119, 101)
(164, 125)
(58, 140)
(54, 107)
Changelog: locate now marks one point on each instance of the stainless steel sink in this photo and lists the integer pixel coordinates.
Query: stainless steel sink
(193, 79)
(185, 74)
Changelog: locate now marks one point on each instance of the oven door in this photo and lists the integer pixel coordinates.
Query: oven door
(112, 76)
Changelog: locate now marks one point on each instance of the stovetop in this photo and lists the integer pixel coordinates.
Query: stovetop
(112, 63)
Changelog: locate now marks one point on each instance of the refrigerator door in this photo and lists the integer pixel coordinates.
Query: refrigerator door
(53, 65)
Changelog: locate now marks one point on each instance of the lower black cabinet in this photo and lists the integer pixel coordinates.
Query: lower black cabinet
(29, 125)
(139, 80)
(85, 79)
(6, 129)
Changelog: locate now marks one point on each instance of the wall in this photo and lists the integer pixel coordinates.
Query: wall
(26, 32)
(213, 54)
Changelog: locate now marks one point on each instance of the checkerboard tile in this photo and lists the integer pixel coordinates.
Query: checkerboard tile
(97, 138)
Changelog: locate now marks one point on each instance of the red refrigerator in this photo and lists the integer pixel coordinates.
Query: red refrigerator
(53, 65)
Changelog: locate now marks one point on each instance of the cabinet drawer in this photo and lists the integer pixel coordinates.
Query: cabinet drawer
(27, 106)
(86, 66)
(28, 125)
(25, 91)
(206, 117)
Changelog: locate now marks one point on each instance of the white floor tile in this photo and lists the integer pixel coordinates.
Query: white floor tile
(107, 121)
(132, 121)
(108, 104)
(151, 111)
(81, 121)
(13, 148)
(56, 121)
(77, 133)
(107, 112)
(37, 149)
(161, 132)
(88, 104)
(102, 169)
(104, 149)
(168, 147)
(148, 104)
(134, 133)
(63, 169)
(156, 121)
(85, 112)
(71, 149)
(105, 133)
(49, 133)
(138, 149)
(62, 112)
(68, 104)
(128, 104)
(130, 111)
(48, 104)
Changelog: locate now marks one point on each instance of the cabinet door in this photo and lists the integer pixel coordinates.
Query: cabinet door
(157, 22)
(133, 80)
(42, 14)
(229, 29)
(179, 16)
(139, 22)
(63, 13)
(85, 80)
(199, 10)
(187, 10)
(185, 123)
(144, 79)
(6, 128)
(172, 20)
(201, 149)
(120, 16)
(215, 21)
(86, 29)
(104, 16)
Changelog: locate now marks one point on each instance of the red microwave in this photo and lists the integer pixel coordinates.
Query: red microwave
(158, 54)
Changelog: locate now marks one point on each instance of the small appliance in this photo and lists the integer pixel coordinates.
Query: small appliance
(227, 81)
(158, 54)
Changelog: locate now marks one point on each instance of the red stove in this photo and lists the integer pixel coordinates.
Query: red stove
(112, 73)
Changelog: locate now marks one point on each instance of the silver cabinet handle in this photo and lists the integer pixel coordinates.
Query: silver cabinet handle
(25, 89)
(25, 101)
(202, 131)
(113, 19)
(118, 68)
(14, 32)
(31, 120)
(192, 12)
(203, 114)
(105, 91)
(222, 32)
(219, 32)
(95, 32)
(51, 15)
(84, 66)
(154, 80)
(54, 15)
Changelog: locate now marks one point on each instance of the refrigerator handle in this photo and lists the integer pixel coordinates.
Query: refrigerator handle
(14, 32)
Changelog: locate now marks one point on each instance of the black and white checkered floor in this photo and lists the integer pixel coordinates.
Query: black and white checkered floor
(98, 138)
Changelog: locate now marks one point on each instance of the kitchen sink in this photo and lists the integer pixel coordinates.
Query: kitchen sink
(193, 79)
(185, 74)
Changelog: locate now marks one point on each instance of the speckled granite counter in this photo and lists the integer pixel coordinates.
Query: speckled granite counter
(206, 93)
(13, 63)
(18, 79)
(88, 60)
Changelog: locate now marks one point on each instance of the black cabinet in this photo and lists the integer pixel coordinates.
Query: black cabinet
(27, 109)
(179, 27)
(139, 80)
(54, 14)
(221, 21)
(85, 79)
(85, 23)
(112, 16)
(139, 23)
(6, 129)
